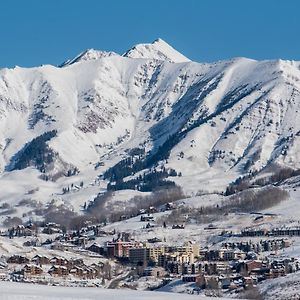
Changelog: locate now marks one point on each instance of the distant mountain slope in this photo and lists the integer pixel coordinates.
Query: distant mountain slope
(152, 109)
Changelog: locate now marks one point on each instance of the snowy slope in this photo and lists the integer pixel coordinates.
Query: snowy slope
(223, 119)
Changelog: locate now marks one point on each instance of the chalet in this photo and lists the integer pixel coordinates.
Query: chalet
(31, 270)
(18, 259)
(96, 248)
(59, 261)
(77, 271)
(58, 271)
(40, 260)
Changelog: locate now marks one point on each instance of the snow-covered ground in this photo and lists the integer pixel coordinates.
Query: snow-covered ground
(21, 291)
(283, 288)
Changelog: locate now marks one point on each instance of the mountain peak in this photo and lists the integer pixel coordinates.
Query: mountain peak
(89, 54)
(158, 49)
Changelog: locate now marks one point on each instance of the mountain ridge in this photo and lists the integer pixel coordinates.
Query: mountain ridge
(209, 122)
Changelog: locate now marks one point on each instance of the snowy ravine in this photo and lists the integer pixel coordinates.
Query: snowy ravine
(223, 119)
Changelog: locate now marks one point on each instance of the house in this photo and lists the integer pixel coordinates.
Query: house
(58, 271)
(18, 259)
(96, 248)
(40, 260)
(77, 271)
(31, 270)
(59, 261)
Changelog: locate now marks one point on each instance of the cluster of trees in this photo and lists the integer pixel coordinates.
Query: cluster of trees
(96, 207)
(35, 153)
(137, 161)
(246, 202)
(279, 176)
(254, 200)
(98, 211)
(156, 200)
(133, 164)
(67, 189)
(58, 214)
(242, 183)
(124, 168)
(72, 172)
(147, 182)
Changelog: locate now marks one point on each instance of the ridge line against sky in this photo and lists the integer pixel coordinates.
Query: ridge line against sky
(35, 32)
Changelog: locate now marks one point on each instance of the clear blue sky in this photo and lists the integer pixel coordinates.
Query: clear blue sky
(34, 32)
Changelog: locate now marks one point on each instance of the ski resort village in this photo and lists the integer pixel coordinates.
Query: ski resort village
(155, 249)
(152, 174)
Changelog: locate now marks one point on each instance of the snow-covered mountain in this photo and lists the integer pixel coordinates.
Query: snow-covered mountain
(210, 122)
(90, 54)
(159, 49)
